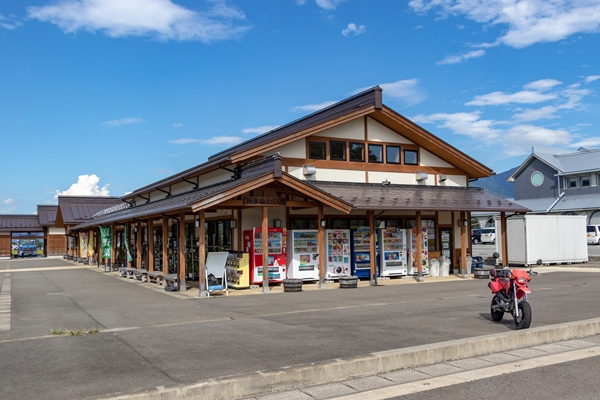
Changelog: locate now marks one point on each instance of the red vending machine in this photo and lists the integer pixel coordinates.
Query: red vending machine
(277, 249)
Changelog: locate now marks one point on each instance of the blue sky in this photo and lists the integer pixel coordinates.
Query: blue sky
(101, 97)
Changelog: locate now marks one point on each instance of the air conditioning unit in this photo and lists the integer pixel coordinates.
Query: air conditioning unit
(420, 176)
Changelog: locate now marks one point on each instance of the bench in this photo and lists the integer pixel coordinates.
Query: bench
(140, 274)
(169, 278)
(127, 272)
(156, 277)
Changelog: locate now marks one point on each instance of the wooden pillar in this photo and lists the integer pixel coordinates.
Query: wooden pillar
(113, 247)
(239, 230)
(463, 245)
(165, 247)
(138, 245)
(202, 255)
(181, 247)
(372, 250)
(419, 249)
(265, 248)
(321, 240)
(504, 239)
(150, 239)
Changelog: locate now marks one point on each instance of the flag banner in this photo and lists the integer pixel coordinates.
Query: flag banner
(129, 258)
(106, 241)
(83, 245)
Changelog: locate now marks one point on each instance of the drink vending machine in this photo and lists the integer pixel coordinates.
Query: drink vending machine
(337, 253)
(392, 251)
(277, 254)
(237, 270)
(361, 252)
(303, 254)
(414, 258)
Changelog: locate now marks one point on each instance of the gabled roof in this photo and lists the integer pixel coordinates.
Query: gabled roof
(564, 162)
(370, 196)
(73, 210)
(20, 223)
(47, 215)
(579, 202)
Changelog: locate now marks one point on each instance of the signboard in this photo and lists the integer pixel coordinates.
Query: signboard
(264, 201)
(106, 241)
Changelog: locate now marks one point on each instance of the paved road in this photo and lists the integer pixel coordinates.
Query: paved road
(150, 338)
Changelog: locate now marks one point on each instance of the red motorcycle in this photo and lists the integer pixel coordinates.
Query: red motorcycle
(510, 295)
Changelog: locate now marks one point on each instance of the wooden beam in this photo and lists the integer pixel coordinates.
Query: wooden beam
(321, 240)
(463, 245)
(418, 249)
(373, 255)
(181, 257)
(150, 238)
(165, 246)
(138, 246)
(202, 255)
(265, 248)
(504, 239)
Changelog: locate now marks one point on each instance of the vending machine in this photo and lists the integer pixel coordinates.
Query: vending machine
(237, 270)
(360, 247)
(277, 254)
(303, 254)
(337, 253)
(392, 251)
(413, 257)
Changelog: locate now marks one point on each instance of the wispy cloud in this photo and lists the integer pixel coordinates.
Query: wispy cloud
(522, 97)
(9, 23)
(86, 185)
(592, 78)
(213, 141)
(260, 129)
(547, 112)
(123, 121)
(468, 124)
(160, 19)
(542, 84)
(312, 107)
(176, 125)
(353, 29)
(328, 4)
(527, 22)
(8, 201)
(460, 58)
(406, 90)
(8, 210)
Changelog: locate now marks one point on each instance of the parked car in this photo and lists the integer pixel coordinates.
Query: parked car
(476, 236)
(593, 234)
(488, 235)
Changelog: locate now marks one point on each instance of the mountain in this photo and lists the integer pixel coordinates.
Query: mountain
(497, 184)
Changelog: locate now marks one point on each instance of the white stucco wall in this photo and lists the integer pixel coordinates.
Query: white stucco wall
(430, 160)
(297, 149)
(377, 132)
(399, 178)
(354, 129)
(454, 180)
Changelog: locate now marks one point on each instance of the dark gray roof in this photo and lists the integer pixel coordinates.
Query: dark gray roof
(20, 223)
(580, 202)
(74, 210)
(537, 205)
(366, 196)
(47, 215)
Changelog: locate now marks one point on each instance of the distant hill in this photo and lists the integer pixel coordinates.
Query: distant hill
(497, 184)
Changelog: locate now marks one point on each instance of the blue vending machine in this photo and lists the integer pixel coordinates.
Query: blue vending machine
(361, 252)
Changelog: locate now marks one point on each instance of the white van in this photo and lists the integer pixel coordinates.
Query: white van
(593, 234)
(488, 235)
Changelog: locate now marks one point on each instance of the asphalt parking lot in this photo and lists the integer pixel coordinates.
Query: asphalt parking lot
(147, 338)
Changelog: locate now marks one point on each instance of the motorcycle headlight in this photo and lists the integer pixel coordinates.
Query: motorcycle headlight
(522, 280)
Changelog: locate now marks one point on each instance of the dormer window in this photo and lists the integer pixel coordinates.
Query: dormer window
(585, 181)
(571, 182)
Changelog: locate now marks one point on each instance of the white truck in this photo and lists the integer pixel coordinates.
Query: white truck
(554, 239)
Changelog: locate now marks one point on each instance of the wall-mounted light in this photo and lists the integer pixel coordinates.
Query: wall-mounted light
(385, 183)
(233, 224)
(197, 223)
(421, 176)
(277, 223)
(462, 222)
(309, 170)
(323, 222)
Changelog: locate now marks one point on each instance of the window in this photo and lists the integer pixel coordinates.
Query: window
(357, 152)
(585, 181)
(337, 150)
(571, 182)
(317, 150)
(537, 178)
(411, 157)
(392, 154)
(430, 225)
(304, 223)
(375, 153)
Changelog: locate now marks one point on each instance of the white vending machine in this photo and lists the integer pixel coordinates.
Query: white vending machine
(414, 258)
(392, 252)
(303, 255)
(337, 250)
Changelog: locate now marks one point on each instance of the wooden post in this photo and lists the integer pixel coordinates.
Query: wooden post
(265, 248)
(202, 256)
(321, 240)
(113, 250)
(371, 218)
(463, 245)
(165, 246)
(150, 238)
(138, 245)
(504, 239)
(419, 249)
(182, 260)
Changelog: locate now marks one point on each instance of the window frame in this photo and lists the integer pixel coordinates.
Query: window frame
(310, 143)
(364, 147)
(569, 180)
(589, 180)
(399, 148)
(344, 143)
(405, 151)
(382, 150)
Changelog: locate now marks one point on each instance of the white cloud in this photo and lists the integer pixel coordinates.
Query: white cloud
(9, 23)
(405, 90)
(300, 2)
(123, 121)
(547, 112)
(8, 201)
(589, 142)
(592, 78)
(160, 19)
(468, 124)
(354, 30)
(574, 97)
(462, 57)
(213, 141)
(87, 185)
(519, 139)
(499, 98)
(542, 84)
(528, 21)
(328, 4)
(312, 107)
(8, 210)
(260, 129)
(176, 125)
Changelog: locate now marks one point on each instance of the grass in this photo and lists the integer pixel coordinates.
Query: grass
(76, 332)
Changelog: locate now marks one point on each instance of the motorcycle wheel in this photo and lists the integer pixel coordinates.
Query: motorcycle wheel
(524, 319)
(496, 314)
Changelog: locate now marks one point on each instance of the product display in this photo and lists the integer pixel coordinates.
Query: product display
(303, 255)
(393, 260)
(276, 258)
(237, 269)
(337, 246)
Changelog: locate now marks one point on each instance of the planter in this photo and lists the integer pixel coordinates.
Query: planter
(292, 285)
(347, 282)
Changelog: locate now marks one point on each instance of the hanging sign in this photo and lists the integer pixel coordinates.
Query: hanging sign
(264, 201)
(106, 241)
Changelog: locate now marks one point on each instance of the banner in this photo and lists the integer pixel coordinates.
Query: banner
(106, 241)
(83, 245)
(129, 258)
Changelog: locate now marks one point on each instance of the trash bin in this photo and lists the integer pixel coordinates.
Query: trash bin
(444, 266)
(458, 270)
(434, 268)
(477, 263)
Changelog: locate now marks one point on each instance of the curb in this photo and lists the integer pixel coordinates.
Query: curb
(295, 377)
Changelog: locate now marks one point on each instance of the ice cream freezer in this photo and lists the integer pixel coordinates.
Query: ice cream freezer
(303, 254)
